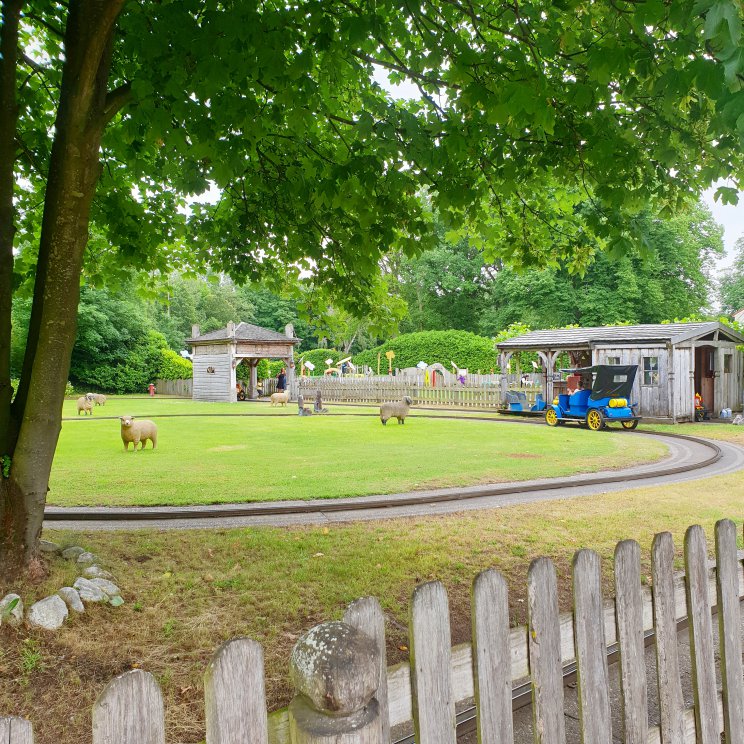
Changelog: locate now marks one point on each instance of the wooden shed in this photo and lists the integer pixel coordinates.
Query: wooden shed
(216, 355)
(674, 360)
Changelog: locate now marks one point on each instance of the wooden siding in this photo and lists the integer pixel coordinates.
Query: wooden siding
(684, 383)
(652, 400)
(211, 349)
(214, 386)
(729, 385)
(258, 350)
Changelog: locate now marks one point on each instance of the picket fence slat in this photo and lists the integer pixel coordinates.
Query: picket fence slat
(629, 615)
(16, 731)
(234, 694)
(430, 648)
(729, 625)
(671, 705)
(129, 711)
(366, 615)
(335, 703)
(491, 662)
(591, 651)
(545, 653)
(701, 636)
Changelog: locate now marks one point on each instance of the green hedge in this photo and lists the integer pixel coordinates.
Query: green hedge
(465, 349)
(174, 367)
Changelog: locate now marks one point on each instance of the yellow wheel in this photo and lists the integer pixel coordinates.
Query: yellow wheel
(595, 420)
(551, 417)
(629, 424)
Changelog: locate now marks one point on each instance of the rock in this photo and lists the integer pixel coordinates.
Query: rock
(46, 546)
(86, 557)
(71, 554)
(334, 665)
(71, 598)
(89, 592)
(738, 420)
(15, 616)
(48, 613)
(107, 587)
(96, 572)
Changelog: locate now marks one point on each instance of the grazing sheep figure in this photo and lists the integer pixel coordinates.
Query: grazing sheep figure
(280, 398)
(398, 410)
(85, 404)
(138, 431)
(99, 399)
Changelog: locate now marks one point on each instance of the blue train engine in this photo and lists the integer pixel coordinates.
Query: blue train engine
(607, 402)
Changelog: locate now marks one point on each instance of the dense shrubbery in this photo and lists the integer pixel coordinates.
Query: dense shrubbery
(318, 358)
(173, 366)
(461, 347)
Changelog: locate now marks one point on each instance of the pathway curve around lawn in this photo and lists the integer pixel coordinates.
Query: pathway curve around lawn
(689, 458)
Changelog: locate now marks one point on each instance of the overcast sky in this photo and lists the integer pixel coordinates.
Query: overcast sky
(732, 219)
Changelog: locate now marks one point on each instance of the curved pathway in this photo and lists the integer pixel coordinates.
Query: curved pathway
(689, 458)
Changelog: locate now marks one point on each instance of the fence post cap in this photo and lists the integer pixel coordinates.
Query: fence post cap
(335, 666)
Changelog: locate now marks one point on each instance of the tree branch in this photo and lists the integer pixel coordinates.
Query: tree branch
(116, 100)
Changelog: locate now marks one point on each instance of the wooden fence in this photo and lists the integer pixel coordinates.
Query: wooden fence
(346, 694)
(182, 388)
(381, 389)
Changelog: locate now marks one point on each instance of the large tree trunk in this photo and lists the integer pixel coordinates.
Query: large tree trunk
(73, 173)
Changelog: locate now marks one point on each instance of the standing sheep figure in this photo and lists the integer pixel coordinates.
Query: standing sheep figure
(138, 431)
(85, 404)
(280, 399)
(99, 399)
(398, 410)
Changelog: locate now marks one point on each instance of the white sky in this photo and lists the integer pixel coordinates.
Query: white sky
(732, 219)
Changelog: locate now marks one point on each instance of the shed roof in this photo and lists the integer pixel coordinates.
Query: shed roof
(585, 338)
(243, 332)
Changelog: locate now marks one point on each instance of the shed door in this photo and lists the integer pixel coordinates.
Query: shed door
(705, 369)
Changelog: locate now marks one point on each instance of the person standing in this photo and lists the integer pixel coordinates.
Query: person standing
(281, 381)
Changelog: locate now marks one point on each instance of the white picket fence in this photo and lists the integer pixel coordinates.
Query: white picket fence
(346, 694)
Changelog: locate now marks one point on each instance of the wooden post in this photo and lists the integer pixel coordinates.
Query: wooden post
(16, 731)
(335, 671)
(235, 698)
(548, 359)
(253, 385)
(504, 378)
(129, 711)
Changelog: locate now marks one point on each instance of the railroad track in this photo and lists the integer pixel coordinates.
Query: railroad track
(691, 457)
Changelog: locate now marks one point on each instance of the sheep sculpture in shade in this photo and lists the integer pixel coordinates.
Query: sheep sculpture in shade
(85, 404)
(138, 431)
(399, 410)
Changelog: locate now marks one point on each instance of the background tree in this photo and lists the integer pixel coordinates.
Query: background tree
(731, 290)
(116, 114)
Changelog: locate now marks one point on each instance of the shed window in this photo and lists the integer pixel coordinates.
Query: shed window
(614, 361)
(650, 370)
(727, 362)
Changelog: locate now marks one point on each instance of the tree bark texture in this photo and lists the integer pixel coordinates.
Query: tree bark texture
(74, 170)
(11, 13)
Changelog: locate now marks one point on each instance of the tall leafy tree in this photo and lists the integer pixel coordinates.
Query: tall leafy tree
(114, 112)
(731, 289)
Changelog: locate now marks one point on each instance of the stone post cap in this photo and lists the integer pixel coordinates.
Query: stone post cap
(335, 666)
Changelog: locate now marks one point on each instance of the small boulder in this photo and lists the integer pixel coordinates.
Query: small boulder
(15, 616)
(49, 613)
(47, 546)
(88, 591)
(96, 572)
(71, 598)
(85, 558)
(71, 554)
(107, 587)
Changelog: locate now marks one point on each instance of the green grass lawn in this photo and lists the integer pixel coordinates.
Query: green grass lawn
(275, 455)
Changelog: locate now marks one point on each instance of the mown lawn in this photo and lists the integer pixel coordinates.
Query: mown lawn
(275, 455)
(187, 592)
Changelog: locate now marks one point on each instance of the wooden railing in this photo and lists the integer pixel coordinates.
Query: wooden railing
(182, 388)
(345, 693)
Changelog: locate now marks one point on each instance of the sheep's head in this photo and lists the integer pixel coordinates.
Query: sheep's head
(407, 401)
(126, 421)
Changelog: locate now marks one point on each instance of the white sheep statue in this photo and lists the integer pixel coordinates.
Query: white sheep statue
(85, 404)
(138, 431)
(398, 410)
(280, 398)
